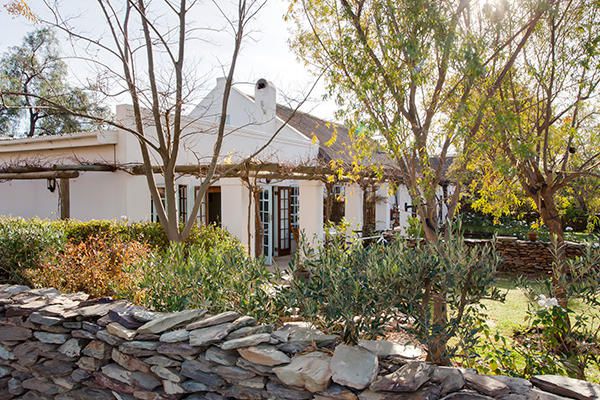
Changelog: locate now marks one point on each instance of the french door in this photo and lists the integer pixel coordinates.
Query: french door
(265, 220)
(285, 233)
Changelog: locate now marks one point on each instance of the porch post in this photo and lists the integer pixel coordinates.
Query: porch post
(234, 211)
(310, 213)
(65, 198)
(353, 207)
(382, 208)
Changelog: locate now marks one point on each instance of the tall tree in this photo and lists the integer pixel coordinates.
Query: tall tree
(543, 129)
(409, 70)
(144, 53)
(35, 68)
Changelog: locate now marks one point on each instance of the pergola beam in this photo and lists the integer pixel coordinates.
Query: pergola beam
(5, 176)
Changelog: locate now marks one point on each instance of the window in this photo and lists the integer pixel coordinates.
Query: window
(182, 191)
(153, 211)
(200, 218)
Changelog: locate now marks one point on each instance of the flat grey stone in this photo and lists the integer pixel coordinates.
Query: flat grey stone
(139, 348)
(10, 333)
(258, 382)
(243, 322)
(283, 392)
(384, 348)
(195, 371)
(161, 361)
(409, 378)
(249, 330)
(4, 371)
(213, 320)
(427, 392)
(450, 379)
(209, 335)
(516, 385)
(139, 379)
(6, 354)
(297, 338)
(193, 386)
(257, 369)
(221, 357)
(264, 354)
(246, 341)
(569, 387)
(41, 319)
(233, 374)
(464, 395)
(537, 394)
(353, 366)
(311, 371)
(172, 388)
(128, 362)
(120, 331)
(71, 348)
(51, 338)
(165, 373)
(108, 338)
(180, 335)
(180, 349)
(144, 316)
(336, 392)
(486, 385)
(169, 321)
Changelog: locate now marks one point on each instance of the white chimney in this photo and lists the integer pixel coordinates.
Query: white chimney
(265, 97)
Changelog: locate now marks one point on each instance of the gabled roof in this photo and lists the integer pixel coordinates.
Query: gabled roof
(333, 137)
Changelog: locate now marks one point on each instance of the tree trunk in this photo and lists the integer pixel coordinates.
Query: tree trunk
(437, 346)
(548, 211)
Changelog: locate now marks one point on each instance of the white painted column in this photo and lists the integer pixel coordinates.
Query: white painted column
(310, 213)
(234, 210)
(382, 208)
(353, 207)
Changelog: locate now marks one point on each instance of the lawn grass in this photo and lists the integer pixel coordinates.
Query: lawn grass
(510, 316)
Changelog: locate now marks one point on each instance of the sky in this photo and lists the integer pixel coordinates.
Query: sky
(266, 54)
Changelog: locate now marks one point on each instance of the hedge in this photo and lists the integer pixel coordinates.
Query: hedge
(26, 243)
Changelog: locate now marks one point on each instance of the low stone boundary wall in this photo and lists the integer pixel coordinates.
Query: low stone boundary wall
(68, 347)
(527, 257)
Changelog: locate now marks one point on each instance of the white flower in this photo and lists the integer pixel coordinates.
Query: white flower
(547, 302)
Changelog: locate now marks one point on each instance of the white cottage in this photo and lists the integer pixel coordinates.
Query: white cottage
(286, 206)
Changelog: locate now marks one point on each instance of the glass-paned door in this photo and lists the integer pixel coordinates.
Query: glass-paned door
(285, 233)
(265, 220)
(294, 215)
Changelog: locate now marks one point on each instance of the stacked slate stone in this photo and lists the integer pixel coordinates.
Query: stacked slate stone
(530, 258)
(68, 347)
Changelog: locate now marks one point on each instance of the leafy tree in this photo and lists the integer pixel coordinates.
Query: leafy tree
(20, 7)
(36, 69)
(407, 70)
(418, 73)
(541, 139)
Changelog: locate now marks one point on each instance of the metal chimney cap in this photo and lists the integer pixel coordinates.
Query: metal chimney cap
(262, 83)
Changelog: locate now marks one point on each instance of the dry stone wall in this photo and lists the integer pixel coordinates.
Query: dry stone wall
(527, 257)
(69, 347)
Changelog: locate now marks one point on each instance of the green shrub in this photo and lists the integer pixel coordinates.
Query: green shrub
(353, 290)
(214, 273)
(24, 244)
